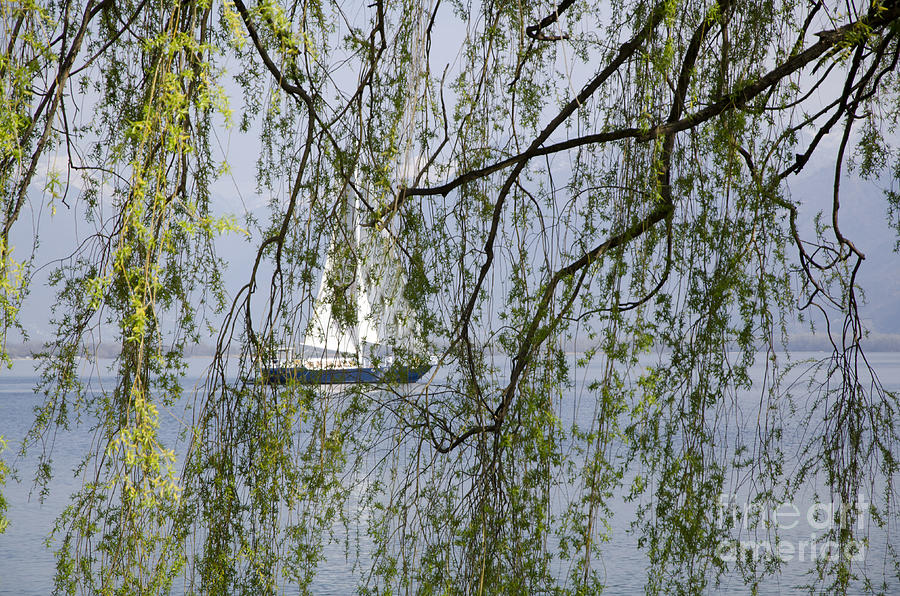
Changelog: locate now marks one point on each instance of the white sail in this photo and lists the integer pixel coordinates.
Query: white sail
(367, 329)
(325, 333)
(385, 282)
(350, 286)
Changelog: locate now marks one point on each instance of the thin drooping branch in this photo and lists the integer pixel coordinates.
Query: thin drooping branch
(840, 103)
(626, 306)
(861, 89)
(864, 90)
(280, 78)
(113, 39)
(55, 96)
(244, 295)
(528, 343)
(13, 36)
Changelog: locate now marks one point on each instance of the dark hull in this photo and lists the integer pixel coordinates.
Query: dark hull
(280, 375)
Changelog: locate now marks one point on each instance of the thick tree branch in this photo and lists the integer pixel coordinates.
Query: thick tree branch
(736, 100)
(530, 342)
(536, 31)
(625, 52)
(665, 210)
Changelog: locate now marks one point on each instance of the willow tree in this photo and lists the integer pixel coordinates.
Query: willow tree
(612, 178)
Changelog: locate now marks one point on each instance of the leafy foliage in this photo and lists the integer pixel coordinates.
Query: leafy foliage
(612, 178)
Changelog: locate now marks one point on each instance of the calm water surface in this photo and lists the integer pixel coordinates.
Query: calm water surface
(27, 565)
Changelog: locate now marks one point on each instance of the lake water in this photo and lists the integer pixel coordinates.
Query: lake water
(27, 565)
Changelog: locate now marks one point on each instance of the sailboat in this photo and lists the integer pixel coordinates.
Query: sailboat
(359, 320)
